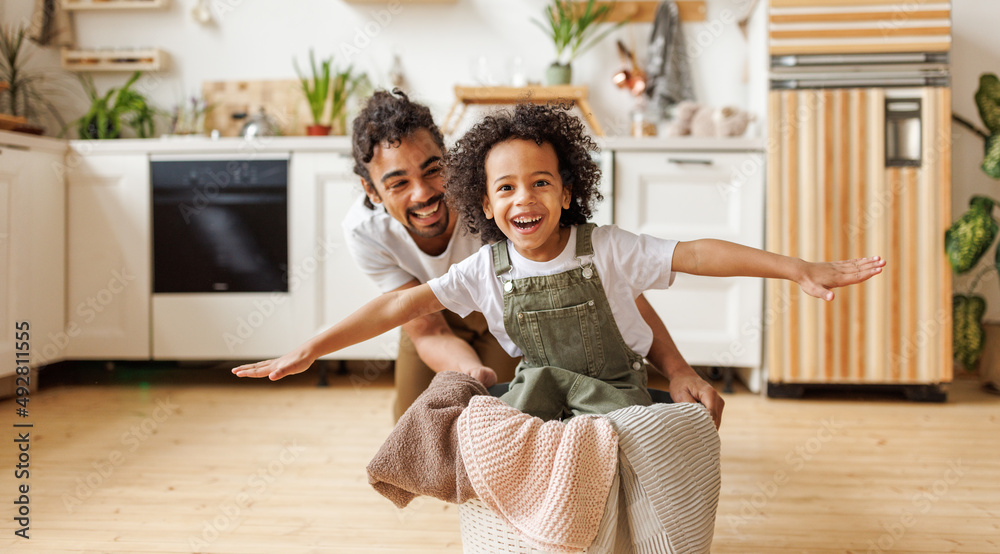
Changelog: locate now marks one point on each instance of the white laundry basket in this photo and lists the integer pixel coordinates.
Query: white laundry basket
(484, 532)
(675, 450)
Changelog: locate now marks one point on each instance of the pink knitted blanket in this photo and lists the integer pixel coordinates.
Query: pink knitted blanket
(548, 480)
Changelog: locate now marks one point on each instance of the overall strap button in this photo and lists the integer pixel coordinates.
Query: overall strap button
(508, 286)
(636, 366)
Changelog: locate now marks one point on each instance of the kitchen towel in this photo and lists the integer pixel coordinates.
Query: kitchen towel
(668, 78)
(421, 455)
(669, 467)
(548, 480)
(51, 25)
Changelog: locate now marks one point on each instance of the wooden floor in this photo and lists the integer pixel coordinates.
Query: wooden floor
(220, 465)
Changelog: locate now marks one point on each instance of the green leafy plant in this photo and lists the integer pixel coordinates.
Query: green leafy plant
(574, 31)
(117, 107)
(969, 238)
(345, 85)
(28, 91)
(316, 88)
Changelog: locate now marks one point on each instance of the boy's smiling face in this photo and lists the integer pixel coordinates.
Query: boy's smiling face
(525, 196)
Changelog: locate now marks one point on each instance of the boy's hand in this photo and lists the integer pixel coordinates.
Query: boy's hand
(818, 278)
(289, 364)
(483, 374)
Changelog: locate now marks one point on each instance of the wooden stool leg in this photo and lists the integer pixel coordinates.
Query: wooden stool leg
(458, 119)
(445, 125)
(589, 116)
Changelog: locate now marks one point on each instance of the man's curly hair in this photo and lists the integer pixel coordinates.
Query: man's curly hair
(465, 163)
(388, 117)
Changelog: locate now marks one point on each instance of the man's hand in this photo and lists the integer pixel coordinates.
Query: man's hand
(687, 386)
(481, 373)
(294, 362)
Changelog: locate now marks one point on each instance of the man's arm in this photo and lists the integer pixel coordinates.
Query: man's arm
(719, 258)
(441, 350)
(385, 312)
(685, 384)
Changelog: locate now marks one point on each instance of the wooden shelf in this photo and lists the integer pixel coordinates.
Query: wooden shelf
(467, 95)
(151, 59)
(402, 1)
(11, 122)
(81, 5)
(644, 12)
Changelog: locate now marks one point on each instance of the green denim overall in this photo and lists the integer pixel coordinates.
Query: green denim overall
(575, 360)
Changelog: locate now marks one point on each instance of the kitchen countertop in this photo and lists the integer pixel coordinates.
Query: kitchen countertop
(688, 144)
(10, 139)
(342, 144)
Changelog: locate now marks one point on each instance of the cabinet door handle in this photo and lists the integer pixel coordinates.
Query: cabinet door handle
(689, 161)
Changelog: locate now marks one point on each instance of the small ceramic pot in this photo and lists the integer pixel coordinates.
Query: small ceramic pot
(318, 130)
(558, 74)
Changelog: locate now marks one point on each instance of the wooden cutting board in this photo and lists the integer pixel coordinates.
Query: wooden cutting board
(281, 99)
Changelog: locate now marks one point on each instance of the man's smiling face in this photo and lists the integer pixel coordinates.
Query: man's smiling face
(408, 180)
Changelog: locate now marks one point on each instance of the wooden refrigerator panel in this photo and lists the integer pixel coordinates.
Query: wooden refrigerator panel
(829, 197)
(858, 26)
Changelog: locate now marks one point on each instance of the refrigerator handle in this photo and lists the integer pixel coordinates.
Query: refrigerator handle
(903, 135)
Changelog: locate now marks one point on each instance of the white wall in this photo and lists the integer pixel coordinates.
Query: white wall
(976, 50)
(440, 45)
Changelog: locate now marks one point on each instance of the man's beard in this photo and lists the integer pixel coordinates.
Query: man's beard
(437, 228)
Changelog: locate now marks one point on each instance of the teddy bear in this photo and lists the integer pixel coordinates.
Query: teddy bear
(698, 120)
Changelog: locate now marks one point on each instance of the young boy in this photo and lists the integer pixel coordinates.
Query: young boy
(554, 289)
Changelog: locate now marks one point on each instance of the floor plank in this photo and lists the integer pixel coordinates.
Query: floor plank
(164, 464)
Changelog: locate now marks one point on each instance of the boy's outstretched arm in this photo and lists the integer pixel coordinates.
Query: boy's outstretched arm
(386, 312)
(719, 258)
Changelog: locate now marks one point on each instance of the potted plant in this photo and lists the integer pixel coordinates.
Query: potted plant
(345, 85)
(329, 84)
(118, 107)
(27, 92)
(317, 91)
(969, 238)
(573, 31)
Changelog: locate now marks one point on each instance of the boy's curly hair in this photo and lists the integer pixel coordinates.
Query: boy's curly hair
(465, 163)
(388, 117)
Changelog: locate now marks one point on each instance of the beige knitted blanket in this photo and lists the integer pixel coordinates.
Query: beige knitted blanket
(548, 480)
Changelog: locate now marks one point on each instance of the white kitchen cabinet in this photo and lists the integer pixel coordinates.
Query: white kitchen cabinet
(325, 282)
(108, 255)
(32, 277)
(690, 195)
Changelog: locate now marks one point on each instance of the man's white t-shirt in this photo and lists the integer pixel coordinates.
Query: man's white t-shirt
(385, 251)
(628, 264)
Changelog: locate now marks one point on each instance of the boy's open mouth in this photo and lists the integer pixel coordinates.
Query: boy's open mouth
(525, 223)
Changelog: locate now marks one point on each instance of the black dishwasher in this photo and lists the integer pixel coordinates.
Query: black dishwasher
(220, 224)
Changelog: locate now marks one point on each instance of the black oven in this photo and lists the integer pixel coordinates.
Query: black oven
(220, 224)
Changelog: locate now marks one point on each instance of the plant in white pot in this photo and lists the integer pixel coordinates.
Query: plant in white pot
(574, 29)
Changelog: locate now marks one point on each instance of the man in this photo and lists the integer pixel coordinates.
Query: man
(402, 234)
